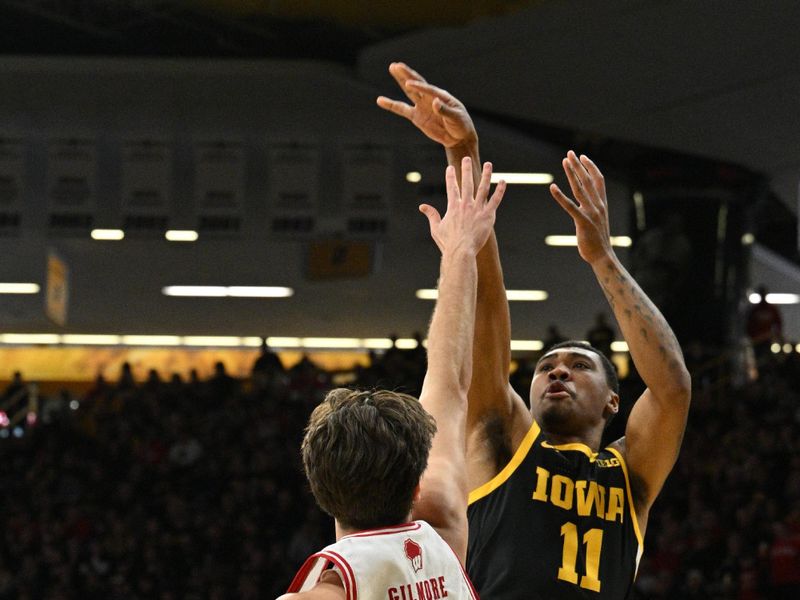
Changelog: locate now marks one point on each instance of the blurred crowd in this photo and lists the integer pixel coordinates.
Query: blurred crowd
(194, 489)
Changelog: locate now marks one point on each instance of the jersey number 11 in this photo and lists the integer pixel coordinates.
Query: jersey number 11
(593, 539)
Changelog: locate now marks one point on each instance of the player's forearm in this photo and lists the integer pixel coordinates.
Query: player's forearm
(452, 325)
(492, 346)
(652, 344)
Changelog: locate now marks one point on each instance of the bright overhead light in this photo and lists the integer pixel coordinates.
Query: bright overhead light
(527, 344)
(181, 235)
(151, 340)
(212, 340)
(252, 342)
(413, 176)
(775, 347)
(284, 342)
(406, 343)
(19, 288)
(326, 342)
(620, 241)
(91, 340)
(787, 348)
(221, 291)
(201, 291)
(252, 291)
(377, 343)
(755, 298)
(523, 178)
(748, 239)
(30, 338)
(511, 295)
(619, 346)
(108, 234)
(526, 295)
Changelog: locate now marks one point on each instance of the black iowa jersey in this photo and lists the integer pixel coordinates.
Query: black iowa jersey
(556, 523)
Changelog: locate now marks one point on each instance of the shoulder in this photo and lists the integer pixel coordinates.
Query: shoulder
(329, 587)
(639, 490)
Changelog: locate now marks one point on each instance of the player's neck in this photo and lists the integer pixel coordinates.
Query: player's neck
(342, 531)
(591, 439)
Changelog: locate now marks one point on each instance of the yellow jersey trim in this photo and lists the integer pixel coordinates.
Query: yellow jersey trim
(499, 479)
(635, 519)
(573, 446)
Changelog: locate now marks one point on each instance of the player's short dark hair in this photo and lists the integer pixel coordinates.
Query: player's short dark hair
(364, 453)
(608, 367)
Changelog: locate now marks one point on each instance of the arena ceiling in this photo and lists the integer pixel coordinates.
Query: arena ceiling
(718, 81)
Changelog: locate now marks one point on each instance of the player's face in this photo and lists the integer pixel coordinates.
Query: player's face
(569, 392)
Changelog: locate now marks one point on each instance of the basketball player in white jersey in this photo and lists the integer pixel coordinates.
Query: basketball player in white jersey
(375, 459)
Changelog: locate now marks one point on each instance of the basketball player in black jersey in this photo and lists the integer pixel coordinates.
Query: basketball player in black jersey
(551, 514)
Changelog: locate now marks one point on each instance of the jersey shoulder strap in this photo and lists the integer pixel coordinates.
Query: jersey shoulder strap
(507, 471)
(309, 574)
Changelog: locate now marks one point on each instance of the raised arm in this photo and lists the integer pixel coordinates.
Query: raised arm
(459, 236)
(658, 419)
(444, 119)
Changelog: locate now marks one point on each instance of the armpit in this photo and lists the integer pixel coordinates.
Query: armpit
(497, 438)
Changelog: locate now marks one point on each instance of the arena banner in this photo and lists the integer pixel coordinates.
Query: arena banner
(57, 295)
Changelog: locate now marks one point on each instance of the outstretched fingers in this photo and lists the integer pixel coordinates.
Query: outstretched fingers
(485, 182)
(451, 183)
(594, 173)
(396, 107)
(434, 218)
(580, 179)
(566, 203)
(422, 87)
(467, 184)
(402, 74)
(499, 192)
(573, 177)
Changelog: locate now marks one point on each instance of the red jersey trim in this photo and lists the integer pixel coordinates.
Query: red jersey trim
(349, 577)
(302, 574)
(473, 591)
(413, 526)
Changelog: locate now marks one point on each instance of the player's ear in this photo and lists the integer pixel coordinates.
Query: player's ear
(612, 404)
(416, 494)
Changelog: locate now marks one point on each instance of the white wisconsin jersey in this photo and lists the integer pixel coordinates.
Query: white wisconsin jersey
(404, 562)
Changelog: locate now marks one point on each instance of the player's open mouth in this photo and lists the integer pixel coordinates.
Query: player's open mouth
(557, 390)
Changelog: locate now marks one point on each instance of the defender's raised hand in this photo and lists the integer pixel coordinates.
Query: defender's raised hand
(589, 210)
(470, 216)
(435, 112)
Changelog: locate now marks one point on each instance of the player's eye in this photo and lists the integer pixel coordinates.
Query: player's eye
(545, 367)
(581, 365)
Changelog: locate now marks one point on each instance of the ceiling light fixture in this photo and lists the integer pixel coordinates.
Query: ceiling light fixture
(151, 340)
(523, 178)
(511, 295)
(755, 298)
(620, 241)
(212, 340)
(521, 345)
(78, 339)
(108, 234)
(30, 338)
(221, 291)
(19, 288)
(181, 235)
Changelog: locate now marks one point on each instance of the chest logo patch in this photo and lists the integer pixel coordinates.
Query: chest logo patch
(413, 554)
